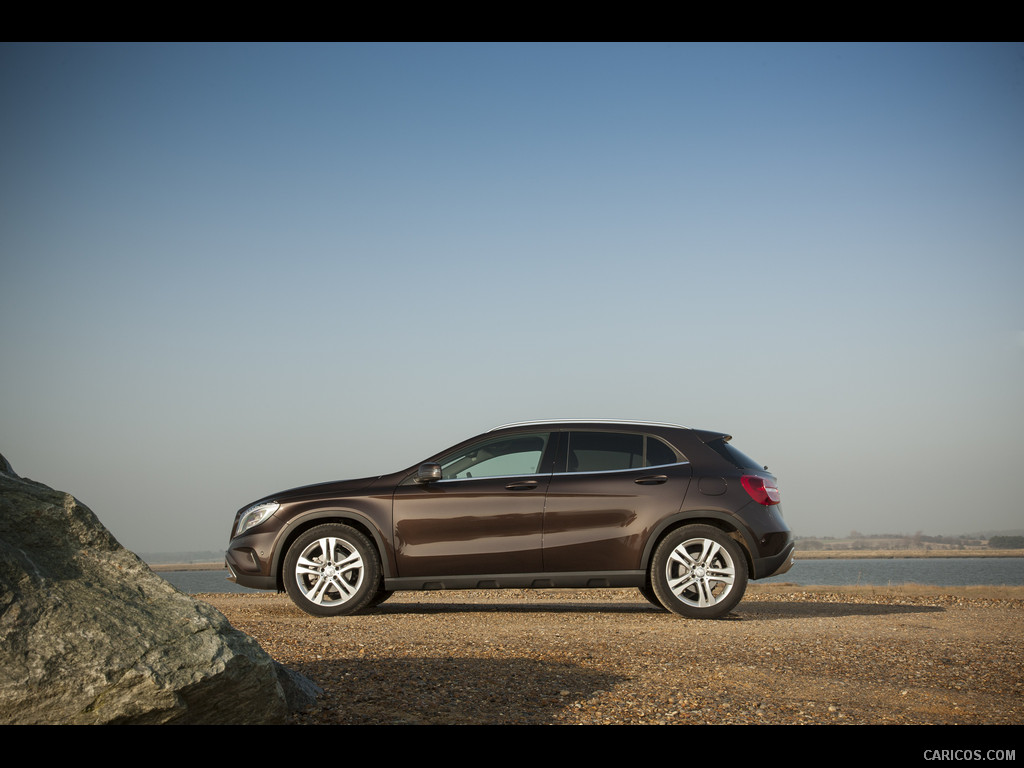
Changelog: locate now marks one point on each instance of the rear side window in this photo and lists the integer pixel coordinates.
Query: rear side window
(612, 451)
(658, 453)
(733, 455)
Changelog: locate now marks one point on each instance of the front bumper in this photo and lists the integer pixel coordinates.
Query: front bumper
(245, 565)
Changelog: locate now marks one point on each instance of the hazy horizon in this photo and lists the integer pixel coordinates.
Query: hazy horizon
(231, 269)
(160, 557)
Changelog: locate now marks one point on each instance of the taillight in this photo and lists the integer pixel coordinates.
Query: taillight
(762, 491)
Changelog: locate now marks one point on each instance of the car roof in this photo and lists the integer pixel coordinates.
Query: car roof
(597, 422)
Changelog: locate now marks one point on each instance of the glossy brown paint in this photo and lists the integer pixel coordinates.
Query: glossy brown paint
(597, 521)
(256, 557)
(557, 527)
(478, 525)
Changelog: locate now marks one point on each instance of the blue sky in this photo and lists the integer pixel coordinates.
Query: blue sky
(232, 269)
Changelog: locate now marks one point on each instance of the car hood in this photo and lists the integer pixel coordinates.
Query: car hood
(333, 488)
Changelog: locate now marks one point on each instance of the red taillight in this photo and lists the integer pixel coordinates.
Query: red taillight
(762, 491)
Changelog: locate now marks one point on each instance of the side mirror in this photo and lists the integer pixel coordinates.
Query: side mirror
(427, 473)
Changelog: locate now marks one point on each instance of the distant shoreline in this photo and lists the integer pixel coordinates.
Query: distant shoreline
(826, 554)
(187, 567)
(902, 554)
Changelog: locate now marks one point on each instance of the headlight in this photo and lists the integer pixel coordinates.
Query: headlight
(255, 515)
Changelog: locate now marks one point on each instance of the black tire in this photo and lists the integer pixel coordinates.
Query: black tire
(652, 598)
(698, 571)
(332, 570)
(380, 597)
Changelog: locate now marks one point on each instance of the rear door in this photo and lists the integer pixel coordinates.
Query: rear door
(610, 490)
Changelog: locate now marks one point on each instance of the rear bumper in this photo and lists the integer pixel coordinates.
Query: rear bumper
(776, 564)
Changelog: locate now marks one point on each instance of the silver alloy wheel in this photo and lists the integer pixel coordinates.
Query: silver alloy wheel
(700, 572)
(329, 571)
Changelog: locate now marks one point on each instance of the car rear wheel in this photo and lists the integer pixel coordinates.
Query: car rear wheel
(332, 570)
(698, 571)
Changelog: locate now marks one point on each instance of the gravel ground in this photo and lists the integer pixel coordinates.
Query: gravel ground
(787, 655)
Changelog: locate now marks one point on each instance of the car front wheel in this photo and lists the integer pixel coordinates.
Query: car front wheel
(652, 598)
(332, 570)
(698, 571)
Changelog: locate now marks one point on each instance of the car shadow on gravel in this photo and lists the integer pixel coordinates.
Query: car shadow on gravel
(449, 691)
(752, 610)
(585, 607)
(755, 610)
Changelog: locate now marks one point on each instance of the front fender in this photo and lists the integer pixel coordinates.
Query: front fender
(361, 520)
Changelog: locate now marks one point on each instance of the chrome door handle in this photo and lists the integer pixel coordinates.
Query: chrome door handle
(651, 480)
(522, 485)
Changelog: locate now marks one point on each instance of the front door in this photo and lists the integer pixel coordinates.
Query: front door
(484, 516)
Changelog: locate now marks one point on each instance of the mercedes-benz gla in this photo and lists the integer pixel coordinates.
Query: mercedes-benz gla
(678, 513)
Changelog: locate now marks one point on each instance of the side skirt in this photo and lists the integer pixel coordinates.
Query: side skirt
(575, 580)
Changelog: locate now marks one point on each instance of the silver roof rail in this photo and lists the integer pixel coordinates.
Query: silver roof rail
(590, 421)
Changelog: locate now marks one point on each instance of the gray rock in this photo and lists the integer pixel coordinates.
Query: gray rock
(89, 634)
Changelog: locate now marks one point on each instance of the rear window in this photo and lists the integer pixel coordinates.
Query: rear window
(734, 456)
(612, 451)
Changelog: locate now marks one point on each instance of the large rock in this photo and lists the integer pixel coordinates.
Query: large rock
(89, 634)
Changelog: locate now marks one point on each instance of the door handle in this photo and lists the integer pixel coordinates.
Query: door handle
(651, 480)
(522, 485)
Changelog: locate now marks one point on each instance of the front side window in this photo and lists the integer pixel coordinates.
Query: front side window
(613, 451)
(497, 457)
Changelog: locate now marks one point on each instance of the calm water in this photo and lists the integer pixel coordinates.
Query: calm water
(941, 571)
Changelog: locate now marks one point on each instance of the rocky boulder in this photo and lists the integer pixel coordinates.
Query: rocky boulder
(89, 634)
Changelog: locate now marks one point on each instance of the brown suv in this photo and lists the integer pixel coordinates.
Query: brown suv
(677, 512)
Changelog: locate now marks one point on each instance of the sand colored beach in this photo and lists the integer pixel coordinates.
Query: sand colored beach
(787, 655)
